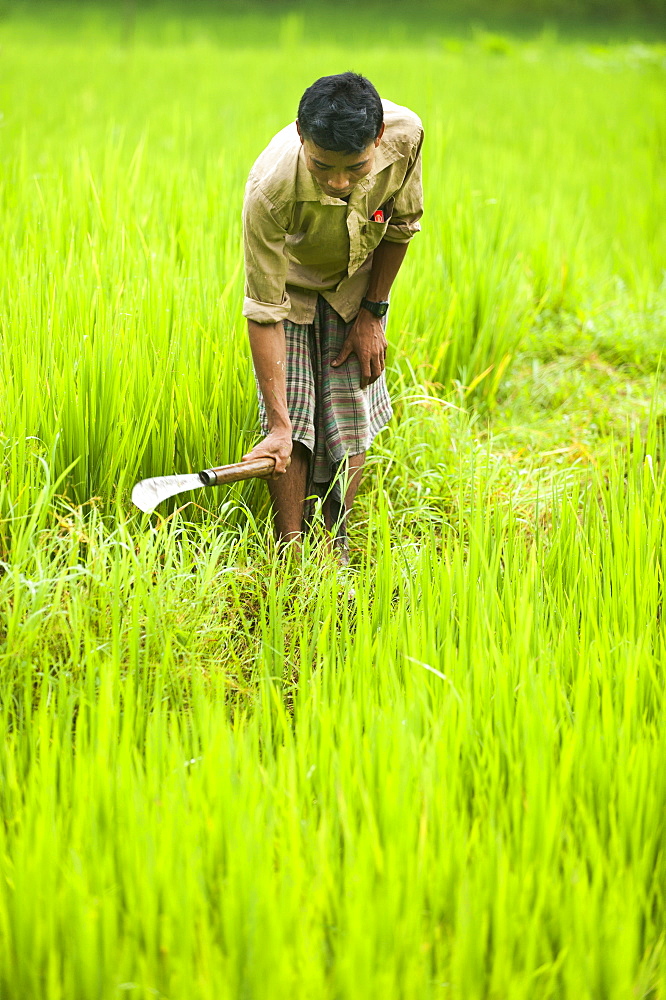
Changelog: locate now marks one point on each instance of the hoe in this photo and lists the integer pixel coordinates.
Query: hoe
(147, 494)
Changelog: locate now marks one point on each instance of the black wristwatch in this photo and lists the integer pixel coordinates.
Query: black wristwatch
(376, 308)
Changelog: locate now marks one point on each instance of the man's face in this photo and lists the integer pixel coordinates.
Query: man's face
(337, 174)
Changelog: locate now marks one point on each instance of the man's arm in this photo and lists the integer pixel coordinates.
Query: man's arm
(267, 343)
(386, 262)
(366, 338)
(266, 304)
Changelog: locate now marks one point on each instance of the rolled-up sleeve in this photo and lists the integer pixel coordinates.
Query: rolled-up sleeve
(408, 206)
(266, 299)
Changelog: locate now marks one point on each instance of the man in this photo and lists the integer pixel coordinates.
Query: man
(330, 207)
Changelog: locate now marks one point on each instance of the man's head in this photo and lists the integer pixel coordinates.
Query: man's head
(340, 122)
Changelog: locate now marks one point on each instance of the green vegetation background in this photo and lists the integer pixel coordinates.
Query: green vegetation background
(439, 774)
(570, 9)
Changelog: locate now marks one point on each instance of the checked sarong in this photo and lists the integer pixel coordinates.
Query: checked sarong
(330, 414)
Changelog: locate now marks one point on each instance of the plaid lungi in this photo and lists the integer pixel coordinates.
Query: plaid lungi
(330, 414)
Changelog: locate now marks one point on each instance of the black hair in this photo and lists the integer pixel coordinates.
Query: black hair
(341, 113)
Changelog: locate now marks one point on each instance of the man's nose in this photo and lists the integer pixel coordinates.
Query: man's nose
(340, 182)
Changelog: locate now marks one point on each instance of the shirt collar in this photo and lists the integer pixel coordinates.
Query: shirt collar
(307, 188)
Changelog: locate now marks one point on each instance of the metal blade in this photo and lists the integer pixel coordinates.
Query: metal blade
(147, 494)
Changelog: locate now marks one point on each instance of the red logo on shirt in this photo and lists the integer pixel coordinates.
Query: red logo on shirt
(378, 216)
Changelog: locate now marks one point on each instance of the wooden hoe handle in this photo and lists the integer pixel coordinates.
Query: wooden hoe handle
(259, 468)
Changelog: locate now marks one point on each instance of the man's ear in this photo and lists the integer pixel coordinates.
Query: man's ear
(300, 134)
(379, 137)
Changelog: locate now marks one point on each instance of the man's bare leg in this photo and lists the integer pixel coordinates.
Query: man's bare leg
(354, 471)
(289, 490)
(288, 496)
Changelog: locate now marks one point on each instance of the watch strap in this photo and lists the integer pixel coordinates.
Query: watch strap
(376, 308)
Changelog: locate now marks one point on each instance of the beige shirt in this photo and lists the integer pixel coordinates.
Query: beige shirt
(300, 242)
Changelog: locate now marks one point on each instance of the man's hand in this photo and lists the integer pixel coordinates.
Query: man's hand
(277, 444)
(367, 341)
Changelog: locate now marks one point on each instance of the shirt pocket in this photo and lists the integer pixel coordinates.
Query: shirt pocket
(375, 227)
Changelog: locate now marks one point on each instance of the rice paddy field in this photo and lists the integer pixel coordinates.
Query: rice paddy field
(440, 773)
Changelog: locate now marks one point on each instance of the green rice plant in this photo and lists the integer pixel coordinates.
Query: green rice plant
(473, 307)
(450, 774)
(120, 256)
(439, 772)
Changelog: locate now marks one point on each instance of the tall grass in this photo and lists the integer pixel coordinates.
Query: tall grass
(225, 775)
(222, 778)
(123, 344)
